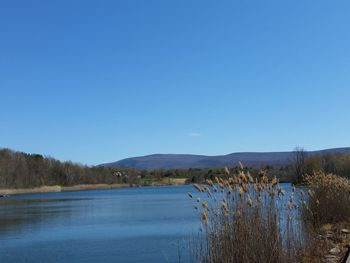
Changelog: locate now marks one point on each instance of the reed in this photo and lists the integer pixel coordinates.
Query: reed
(328, 200)
(246, 220)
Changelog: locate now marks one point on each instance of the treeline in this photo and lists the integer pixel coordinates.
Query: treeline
(301, 164)
(338, 164)
(23, 170)
(328, 163)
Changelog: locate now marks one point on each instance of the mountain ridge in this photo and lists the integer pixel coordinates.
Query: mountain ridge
(185, 161)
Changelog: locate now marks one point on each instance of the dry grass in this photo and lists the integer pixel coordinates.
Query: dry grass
(58, 188)
(325, 214)
(328, 201)
(175, 181)
(246, 220)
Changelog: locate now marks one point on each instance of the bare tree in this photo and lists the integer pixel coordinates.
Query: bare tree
(299, 158)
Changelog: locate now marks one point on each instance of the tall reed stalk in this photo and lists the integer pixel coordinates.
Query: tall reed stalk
(246, 220)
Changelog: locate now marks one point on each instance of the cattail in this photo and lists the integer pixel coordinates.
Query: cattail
(199, 189)
(205, 206)
(265, 179)
(210, 182)
(234, 180)
(261, 174)
(243, 177)
(229, 189)
(245, 187)
(250, 178)
(230, 180)
(249, 201)
(280, 191)
(204, 218)
(224, 207)
(274, 182)
(240, 166)
(240, 191)
(227, 171)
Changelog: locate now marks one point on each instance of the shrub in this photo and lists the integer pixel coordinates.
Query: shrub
(328, 200)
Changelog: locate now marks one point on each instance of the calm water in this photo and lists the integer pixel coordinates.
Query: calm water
(121, 225)
(147, 224)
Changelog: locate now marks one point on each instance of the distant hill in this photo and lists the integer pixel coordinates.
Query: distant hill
(182, 161)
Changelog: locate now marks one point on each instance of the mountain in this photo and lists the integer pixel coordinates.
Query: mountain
(181, 161)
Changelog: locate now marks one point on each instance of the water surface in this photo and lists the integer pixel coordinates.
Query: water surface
(146, 224)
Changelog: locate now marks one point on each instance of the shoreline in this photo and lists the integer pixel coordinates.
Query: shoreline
(58, 188)
(78, 187)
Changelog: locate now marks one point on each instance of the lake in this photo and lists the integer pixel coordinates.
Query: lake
(121, 225)
(147, 224)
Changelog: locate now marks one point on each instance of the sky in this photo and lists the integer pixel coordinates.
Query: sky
(99, 81)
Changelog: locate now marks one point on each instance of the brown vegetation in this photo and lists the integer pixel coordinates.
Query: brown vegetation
(329, 199)
(58, 188)
(245, 220)
(249, 219)
(327, 216)
(338, 164)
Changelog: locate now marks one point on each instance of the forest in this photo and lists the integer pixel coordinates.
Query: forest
(23, 170)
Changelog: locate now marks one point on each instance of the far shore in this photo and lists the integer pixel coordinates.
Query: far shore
(58, 188)
(79, 187)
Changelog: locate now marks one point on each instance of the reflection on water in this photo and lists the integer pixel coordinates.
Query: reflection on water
(121, 225)
(16, 213)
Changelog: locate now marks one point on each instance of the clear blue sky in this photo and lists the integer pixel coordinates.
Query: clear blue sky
(98, 81)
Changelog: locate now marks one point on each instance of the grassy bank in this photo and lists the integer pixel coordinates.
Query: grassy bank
(162, 181)
(58, 188)
(82, 187)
